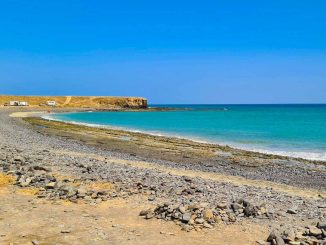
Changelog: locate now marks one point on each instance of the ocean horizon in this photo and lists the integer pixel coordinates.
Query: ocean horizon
(295, 130)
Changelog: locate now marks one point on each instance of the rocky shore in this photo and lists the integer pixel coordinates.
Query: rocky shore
(197, 188)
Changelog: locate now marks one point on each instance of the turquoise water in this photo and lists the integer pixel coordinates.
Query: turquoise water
(292, 130)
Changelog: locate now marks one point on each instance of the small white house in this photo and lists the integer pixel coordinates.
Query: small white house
(13, 103)
(18, 103)
(51, 103)
(23, 103)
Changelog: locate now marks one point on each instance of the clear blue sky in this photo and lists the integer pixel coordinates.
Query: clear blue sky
(229, 51)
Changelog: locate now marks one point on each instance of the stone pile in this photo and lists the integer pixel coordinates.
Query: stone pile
(58, 190)
(310, 235)
(49, 186)
(199, 216)
(243, 208)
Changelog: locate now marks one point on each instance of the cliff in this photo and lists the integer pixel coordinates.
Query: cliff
(99, 102)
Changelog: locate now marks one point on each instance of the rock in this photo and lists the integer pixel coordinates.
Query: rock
(185, 227)
(144, 212)
(279, 240)
(69, 191)
(232, 217)
(50, 185)
(289, 235)
(151, 198)
(182, 209)
(323, 233)
(150, 215)
(221, 205)
(186, 217)
(102, 193)
(208, 226)
(81, 192)
(35, 242)
(294, 242)
(41, 168)
(65, 231)
(217, 219)
(193, 207)
(19, 159)
(187, 179)
(250, 210)
(321, 225)
(292, 211)
(272, 236)
(199, 221)
(236, 206)
(25, 183)
(314, 231)
(261, 242)
(208, 214)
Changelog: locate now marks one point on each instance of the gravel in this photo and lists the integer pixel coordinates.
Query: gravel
(33, 157)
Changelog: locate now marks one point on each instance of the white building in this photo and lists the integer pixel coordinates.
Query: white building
(51, 103)
(13, 103)
(18, 103)
(23, 103)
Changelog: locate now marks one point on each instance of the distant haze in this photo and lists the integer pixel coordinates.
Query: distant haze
(166, 51)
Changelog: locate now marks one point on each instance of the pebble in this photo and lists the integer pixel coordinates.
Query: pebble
(65, 231)
(151, 198)
(292, 211)
(314, 231)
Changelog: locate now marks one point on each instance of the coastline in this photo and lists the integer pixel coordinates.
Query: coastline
(181, 150)
(310, 156)
(139, 173)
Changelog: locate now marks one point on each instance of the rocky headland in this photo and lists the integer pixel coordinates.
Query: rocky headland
(93, 102)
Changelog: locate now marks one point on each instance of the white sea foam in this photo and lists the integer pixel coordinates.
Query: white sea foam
(316, 156)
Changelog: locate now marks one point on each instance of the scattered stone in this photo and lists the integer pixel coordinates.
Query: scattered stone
(145, 212)
(322, 225)
(261, 242)
(292, 211)
(208, 226)
(186, 217)
(312, 235)
(65, 231)
(221, 205)
(151, 198)
(50, 185)
(314, 231)
(279, 240)
(150, 215)
(272, 236)
(208, 214)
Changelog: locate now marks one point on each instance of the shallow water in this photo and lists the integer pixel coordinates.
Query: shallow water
(292, 130)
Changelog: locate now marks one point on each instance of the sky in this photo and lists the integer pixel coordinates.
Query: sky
(208, 52)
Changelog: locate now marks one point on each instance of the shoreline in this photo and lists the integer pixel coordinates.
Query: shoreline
(183, 151)
(135, 174)
(314, 156)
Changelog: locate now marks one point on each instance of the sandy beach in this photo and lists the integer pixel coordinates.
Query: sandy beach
(82, 185)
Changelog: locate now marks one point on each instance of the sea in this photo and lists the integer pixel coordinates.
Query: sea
(290, 130)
